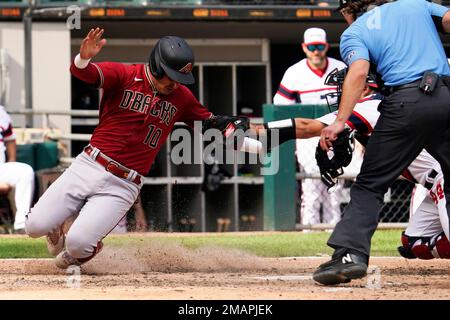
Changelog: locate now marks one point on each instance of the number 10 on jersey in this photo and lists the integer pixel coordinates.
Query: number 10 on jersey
(153, 136)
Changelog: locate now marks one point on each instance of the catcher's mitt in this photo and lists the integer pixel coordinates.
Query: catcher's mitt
(331, 163)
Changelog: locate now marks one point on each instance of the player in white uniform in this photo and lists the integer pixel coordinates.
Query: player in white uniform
(18, 175)
(427, 234)
(304, 83)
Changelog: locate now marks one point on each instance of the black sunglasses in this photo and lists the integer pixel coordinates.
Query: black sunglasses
(314, 47)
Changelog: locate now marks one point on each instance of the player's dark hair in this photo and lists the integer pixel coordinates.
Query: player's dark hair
(359, 7)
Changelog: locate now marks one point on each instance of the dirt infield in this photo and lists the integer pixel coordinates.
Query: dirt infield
(172, 272)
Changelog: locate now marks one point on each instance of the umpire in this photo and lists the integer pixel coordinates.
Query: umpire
(401, 40)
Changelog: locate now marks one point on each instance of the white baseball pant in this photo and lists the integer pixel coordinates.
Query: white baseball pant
(21, 177)
(101, 199)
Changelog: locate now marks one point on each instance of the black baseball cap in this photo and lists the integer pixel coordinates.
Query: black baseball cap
(343, 4)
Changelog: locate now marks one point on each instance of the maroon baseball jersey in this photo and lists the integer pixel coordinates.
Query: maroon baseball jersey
(134, 122)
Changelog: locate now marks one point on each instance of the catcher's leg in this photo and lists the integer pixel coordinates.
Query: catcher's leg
(441, 152)
(424, 221)
(424, 237)
(418, 195)
(429, 174)
(98, 217)
(437, 246)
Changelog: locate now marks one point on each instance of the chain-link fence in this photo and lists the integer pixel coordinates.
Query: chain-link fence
(317, 206)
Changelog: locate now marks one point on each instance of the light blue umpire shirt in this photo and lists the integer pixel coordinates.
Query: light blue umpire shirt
(400, 38)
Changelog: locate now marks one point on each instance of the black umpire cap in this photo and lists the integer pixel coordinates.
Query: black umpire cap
(343, 4)
(174, 57)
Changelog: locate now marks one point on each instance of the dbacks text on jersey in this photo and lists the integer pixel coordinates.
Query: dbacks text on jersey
(138, 102)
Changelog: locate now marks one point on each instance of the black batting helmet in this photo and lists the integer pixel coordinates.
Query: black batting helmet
(174, 57)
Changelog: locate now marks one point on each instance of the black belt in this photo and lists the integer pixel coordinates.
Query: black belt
(385, 91)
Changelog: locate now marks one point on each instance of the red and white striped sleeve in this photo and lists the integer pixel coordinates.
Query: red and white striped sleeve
(286, 94)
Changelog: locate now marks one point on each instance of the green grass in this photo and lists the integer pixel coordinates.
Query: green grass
(286, 244)
(23, 247)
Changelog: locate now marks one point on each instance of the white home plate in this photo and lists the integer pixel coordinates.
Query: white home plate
(337, 289)
(284, 278)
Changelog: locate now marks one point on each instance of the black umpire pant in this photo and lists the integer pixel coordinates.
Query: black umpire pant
(409, 122)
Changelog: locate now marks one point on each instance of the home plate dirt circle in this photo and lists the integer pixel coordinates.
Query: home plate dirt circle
(172, 272)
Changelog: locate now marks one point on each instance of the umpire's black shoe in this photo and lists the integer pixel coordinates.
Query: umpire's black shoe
(342, 268)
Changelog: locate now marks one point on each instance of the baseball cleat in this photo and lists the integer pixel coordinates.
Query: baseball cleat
(342, 268)
(55, 241)
(64, 260)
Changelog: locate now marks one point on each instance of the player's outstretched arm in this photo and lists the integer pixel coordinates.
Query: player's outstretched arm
(277, 132)
(304, 128)
(308, 128)
(289, 129)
